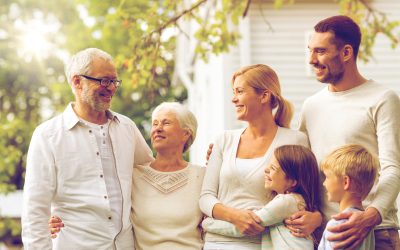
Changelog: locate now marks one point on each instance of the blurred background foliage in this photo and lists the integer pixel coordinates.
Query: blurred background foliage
(36, 36)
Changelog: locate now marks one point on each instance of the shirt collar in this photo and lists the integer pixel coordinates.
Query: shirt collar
(71, 118)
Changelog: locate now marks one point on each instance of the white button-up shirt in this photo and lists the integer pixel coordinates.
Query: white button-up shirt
(64, 177)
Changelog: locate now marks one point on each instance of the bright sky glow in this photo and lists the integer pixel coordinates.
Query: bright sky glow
(35, 35)
(84, 15)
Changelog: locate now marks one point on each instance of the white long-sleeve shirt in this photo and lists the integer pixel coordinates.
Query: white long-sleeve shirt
(65, 177)
(369, 115)
(277, 235)
(223, 183)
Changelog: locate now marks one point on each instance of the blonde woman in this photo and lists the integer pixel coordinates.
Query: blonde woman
(234, 182)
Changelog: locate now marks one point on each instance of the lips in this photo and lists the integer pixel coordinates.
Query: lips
(319, 70)
(158, 137)
(106, 96)
(239, 106)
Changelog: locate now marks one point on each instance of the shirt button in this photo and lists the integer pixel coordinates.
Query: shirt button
(101, 127)
(101, 176)
(97, 153)
(104, 134)
(90, 131)
(109, 217)
(105, 196)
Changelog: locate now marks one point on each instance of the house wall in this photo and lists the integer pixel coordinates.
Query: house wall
(278, 38)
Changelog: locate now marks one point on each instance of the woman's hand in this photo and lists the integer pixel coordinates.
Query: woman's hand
(303, 223)
(55, 225)
(247, 222)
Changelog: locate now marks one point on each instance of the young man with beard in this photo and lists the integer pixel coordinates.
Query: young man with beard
(353, 109)
(80, 163)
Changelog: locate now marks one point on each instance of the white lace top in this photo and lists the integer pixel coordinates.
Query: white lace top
(165, 208)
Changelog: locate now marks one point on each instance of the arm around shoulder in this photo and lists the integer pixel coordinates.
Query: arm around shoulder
(143, 153)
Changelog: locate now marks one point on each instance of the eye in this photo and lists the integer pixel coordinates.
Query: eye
(275, 168)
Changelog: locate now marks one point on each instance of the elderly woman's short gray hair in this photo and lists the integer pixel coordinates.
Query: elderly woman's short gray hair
(79, 64)
(186, 119)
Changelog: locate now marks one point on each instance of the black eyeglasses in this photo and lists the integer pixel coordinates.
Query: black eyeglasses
(104, 81)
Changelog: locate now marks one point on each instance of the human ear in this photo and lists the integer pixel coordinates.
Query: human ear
(186, 134)
(346, 182)
(265, 96)
(293, 183)
(76, 82)
(347, 52)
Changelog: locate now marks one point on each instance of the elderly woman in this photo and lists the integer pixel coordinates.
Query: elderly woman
(234, 181)
(165, 194)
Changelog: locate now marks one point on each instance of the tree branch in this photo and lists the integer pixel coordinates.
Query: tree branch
(177, 17)
(246, 9)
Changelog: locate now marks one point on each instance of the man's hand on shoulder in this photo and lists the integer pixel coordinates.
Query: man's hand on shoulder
(351, 234)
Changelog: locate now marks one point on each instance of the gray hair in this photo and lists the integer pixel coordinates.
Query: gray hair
(80, 63)
(186, 119)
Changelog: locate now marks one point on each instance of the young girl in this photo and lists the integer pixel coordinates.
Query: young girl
(293, 176)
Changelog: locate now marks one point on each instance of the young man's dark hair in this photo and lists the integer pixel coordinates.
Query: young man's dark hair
(346, 31)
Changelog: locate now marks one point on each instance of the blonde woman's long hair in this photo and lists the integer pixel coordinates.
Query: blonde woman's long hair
(261, 78)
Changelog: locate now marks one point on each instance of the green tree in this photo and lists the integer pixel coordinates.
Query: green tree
(27, 79)
(147, 25)
(140, 34)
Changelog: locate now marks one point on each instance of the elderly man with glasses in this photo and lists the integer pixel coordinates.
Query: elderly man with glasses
(80, 163)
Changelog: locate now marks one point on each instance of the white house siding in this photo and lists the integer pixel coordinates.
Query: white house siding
(284, 49)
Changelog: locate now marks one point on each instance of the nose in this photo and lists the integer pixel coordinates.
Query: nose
(156, 128)
(111, 87)
(159, 127)
(312, 58)
(234, 99)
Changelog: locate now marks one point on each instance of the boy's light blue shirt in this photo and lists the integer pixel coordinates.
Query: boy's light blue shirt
(367, 244)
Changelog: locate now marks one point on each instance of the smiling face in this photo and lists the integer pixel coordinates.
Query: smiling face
(166, 132)
(334, 186)
(247, 102)
(93, 95)
(276, 179)
(325, 57)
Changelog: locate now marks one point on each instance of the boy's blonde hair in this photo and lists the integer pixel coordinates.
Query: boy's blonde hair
(357, 163)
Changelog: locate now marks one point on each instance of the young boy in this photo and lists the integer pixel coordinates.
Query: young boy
(350, 173)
